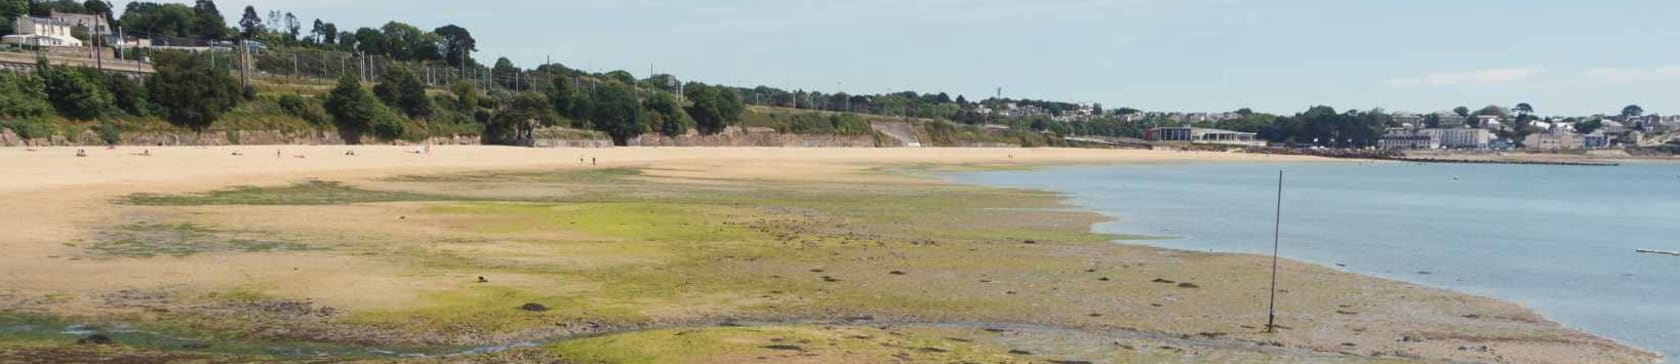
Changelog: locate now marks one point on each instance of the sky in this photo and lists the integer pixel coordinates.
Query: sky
(1565, 57)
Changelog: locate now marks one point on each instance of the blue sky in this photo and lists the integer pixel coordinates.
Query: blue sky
(1565, 57)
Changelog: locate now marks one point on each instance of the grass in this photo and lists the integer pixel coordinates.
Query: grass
(144, 240)
(307, 193)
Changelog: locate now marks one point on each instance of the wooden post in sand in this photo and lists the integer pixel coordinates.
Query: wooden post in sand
(1277, 229)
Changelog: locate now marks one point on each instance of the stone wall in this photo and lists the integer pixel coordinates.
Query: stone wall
(754, 137)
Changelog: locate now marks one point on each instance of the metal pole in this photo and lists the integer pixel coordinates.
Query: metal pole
(1277, 232)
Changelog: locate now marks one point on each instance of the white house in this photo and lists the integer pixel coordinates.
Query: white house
(45, 32)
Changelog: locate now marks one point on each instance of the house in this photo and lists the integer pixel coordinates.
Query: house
(1597, 140)
(1460, 138)
(1554, 140)
(93, 23)
(41, 32)
(1204, 136)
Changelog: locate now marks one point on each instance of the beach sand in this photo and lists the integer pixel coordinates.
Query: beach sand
(54, 201)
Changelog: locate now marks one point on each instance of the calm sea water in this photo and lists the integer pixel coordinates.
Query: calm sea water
(1558, 239)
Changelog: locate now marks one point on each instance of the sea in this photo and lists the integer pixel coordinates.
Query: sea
(1558, 239)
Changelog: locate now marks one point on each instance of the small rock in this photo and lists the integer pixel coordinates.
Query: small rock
(1020, 352)
(1104, 279)
(482, 280)
(533, 307)
(784, 347)
(896, 272)
(1163, 280)
(1030, 242)
(1188, 285)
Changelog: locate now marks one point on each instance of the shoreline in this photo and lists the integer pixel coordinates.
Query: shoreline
(1399, 278)
(854, 165)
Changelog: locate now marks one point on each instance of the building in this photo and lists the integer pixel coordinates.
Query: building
(1461, 138)
(1597, 140)
(1204, 136)
(1408, 141)
(1554, 140)
(41, 32)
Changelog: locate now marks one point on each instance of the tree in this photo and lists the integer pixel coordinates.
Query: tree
(160, 20)
(504, 72)
(1589, 126)
(76, 92)
(329, 33)
(192, 94)
(666, 115)
(714, 107)
(513, 124)
(1523, 108)
(292, 26)
(616, 111)
(458, 45)
(1632, 111)
(250, 24)
(623, 77)
(208, 22)
(353, 109)
(370, 41)
(401, 89)
(569, 100)
(1462, 111)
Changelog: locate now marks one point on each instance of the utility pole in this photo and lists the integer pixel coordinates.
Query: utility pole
(98, 59)
(244, 64)
(1277, 231)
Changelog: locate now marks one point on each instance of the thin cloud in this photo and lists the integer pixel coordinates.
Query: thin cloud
(1491, 76)
(1628, 75)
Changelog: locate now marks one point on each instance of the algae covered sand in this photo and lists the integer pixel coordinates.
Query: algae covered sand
(718, 262)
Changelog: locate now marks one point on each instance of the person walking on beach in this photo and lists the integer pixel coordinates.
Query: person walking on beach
(591, 161)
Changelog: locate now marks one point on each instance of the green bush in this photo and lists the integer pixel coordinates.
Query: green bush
(388, 125)
(110, 132)
(811, 123)
(23, 96)
(76, 92)
(851, 124)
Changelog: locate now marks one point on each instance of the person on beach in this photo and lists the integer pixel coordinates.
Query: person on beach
(146, 152)
(351, 152)
(592, 161)
(81, 153)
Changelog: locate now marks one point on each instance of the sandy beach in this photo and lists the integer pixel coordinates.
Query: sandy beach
(391, 244)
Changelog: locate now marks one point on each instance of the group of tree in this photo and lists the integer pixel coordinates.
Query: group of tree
(184, 92)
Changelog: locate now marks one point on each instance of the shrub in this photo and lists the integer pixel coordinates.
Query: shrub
(75, 92)
(811, 123)
(851, 124)
(23, 96)
(192, 94)
(353, 109)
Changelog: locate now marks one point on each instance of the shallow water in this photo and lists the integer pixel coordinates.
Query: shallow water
(1558, 239)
